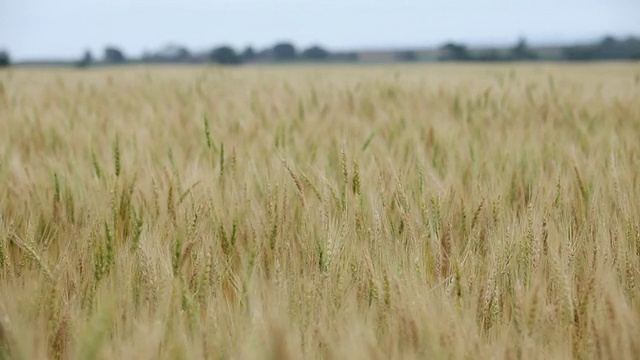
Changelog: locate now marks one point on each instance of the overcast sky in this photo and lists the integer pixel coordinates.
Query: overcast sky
(65, 28)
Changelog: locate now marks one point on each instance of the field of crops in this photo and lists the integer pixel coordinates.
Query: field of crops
(416, 211)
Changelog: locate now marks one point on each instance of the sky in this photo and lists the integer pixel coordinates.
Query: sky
(66, 28)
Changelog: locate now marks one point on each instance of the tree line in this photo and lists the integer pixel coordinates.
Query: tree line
(224, 55)
(609, 48)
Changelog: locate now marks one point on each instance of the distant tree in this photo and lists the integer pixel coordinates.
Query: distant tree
(607, 49)
(147, 56)
(5, 59)
(181, 54)
(407, 55)
(264, 54)
(284, 52)
(113, 55)
(86, 60)
(610, 48)
(578, 53)
(608, 42)
(315, 53)
(248, 54)
(490, 55)
(522, 52)
(456, 52)
(225, 55)
(176, 53)
(170, 53)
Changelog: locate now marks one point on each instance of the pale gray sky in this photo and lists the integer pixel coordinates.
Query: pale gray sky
(65, 28)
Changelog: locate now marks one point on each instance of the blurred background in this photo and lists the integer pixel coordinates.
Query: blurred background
(93, 33)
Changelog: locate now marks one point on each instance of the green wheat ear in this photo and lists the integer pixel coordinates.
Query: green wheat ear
(116, 157)
(207, 132)
(2, 253)
(356, 179)
(96, 165)
(56, 182)
(221, 159)
(368, 141)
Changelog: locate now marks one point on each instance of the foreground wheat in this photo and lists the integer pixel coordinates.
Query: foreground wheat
(349, 213)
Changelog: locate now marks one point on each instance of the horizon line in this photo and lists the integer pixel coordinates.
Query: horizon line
(475, 45)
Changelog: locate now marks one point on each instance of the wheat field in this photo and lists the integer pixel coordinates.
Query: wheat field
(414, 212)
